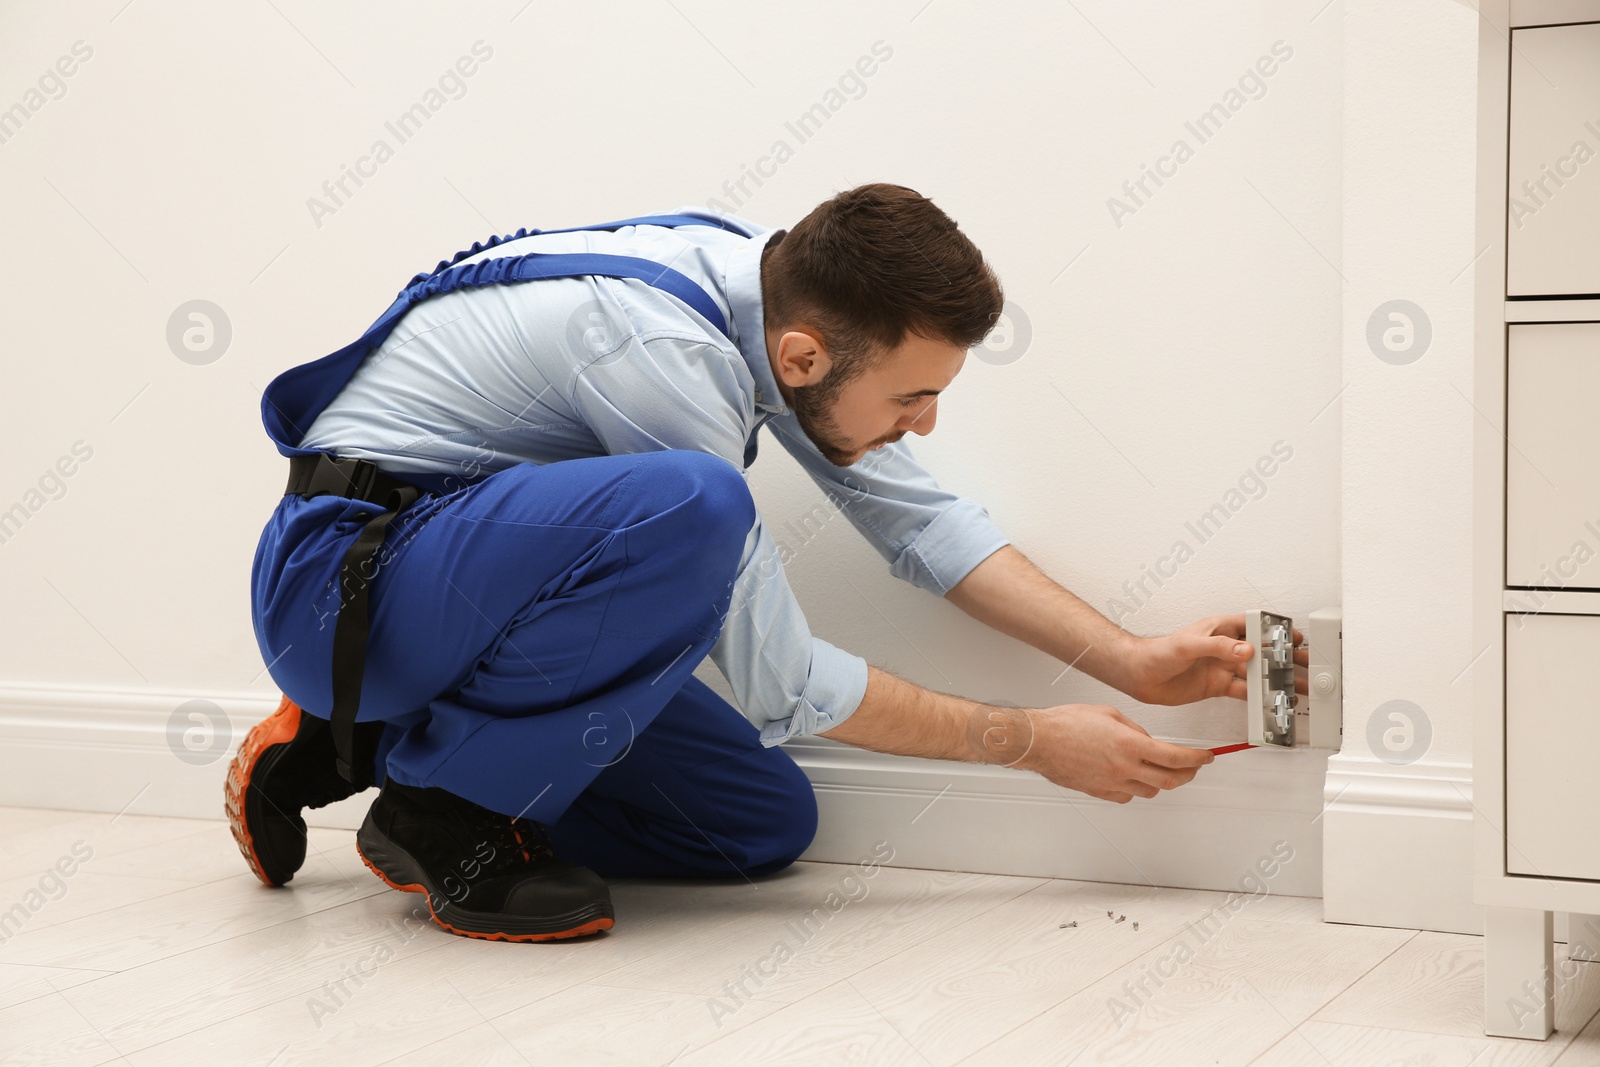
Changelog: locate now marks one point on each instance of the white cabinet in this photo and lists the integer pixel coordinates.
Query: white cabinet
(1553, 453)
(1536, 498)
(1552, 740)
(1553, 199)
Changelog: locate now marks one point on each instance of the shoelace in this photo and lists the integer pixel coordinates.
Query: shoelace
(517, 842)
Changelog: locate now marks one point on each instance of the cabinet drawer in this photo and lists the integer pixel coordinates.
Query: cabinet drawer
(1553, 203)
(1553, 455)
(1553, 745)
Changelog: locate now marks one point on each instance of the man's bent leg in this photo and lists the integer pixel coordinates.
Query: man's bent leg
(695, 795)
(520, 621)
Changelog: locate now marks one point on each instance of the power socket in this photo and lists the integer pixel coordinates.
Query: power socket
(1271, 700)
(1269, 679)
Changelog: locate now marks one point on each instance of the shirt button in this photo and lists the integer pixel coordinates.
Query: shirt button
(759, 398)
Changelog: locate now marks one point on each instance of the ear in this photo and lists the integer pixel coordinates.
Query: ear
(801, 358)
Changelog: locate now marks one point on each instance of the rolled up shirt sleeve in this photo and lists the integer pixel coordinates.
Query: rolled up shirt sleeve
(930, 536)
(785, 681)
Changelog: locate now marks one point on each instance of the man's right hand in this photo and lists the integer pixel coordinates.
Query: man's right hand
(1097, 750)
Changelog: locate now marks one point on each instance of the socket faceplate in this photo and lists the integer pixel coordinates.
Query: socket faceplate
(1271, 699)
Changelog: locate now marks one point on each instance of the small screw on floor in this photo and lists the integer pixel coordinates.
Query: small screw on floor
(1063, 926)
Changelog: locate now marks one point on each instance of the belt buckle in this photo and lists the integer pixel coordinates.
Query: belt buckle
(359, 473)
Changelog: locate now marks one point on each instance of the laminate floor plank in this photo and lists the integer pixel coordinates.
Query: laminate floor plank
(88, 839)
(1435, 984)
(590, 1024)
(1320, 1044)
(21, 984)
(1584, 1048)
(131, 935)
(964, 987)
(213, 982)
(1220, 994)
(847, 923)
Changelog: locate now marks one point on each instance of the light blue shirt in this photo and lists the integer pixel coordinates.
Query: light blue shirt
(479, 380)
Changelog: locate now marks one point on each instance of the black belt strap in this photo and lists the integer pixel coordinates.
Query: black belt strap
(360, 480)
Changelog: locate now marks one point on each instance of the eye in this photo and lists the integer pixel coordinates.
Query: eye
(907, 402)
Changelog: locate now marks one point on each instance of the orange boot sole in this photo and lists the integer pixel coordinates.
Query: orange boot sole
(279, 728)
(593, 927)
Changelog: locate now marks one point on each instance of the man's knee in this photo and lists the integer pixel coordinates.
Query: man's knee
(792, 833)
(707, 494)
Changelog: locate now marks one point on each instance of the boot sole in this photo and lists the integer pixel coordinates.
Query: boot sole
(395, 867)
(256, 755)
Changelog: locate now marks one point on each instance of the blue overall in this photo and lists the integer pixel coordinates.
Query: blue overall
(534, 631)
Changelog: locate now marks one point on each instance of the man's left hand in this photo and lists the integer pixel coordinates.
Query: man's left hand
(1205, 659)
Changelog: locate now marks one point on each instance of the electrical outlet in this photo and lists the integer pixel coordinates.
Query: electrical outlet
(1269, 678)
(1271, 700)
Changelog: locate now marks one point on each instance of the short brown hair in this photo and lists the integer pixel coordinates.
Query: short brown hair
(874, 263)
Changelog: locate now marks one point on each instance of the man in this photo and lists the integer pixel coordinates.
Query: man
(538, 524)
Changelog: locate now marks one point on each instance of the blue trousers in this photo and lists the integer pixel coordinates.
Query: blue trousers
(531, 649)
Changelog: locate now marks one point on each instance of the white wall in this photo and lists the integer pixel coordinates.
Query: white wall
(1399, 823)
(1169, 351)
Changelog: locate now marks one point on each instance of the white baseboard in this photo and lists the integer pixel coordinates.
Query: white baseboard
(1210, 834)
(1397, 846)
(104, 749)
(99, 750)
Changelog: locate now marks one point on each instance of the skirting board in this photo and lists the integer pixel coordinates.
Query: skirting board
(158, 753)
(151, 752)
(1210, 834)
(1397, 846)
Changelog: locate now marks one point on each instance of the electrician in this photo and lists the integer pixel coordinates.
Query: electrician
(517, 520)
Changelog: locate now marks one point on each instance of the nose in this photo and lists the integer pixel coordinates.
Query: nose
(922, 422)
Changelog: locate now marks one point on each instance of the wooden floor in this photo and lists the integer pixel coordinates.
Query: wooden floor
(159, 948)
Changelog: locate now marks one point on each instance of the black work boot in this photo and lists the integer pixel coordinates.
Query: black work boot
(484, 874)
(285, 764)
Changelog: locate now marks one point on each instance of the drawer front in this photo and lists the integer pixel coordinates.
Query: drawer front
(1553, 206)
(1553, 745)
(1553, 455)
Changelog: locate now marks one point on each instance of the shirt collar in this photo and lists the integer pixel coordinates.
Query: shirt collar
(748, 322)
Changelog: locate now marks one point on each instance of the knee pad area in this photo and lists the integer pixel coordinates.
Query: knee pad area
(793, 826)
(703, 494)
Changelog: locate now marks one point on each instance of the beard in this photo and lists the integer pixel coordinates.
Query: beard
(813, 409)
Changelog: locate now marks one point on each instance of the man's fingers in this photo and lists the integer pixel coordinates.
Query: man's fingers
(1228, 625)
(1124, 720)
(1174, 757)
(1227, 649)
(1164, 777)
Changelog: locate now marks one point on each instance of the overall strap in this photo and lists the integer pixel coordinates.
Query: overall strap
(293, 400)
(509, 270)
(350, 631)
(641, 220)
